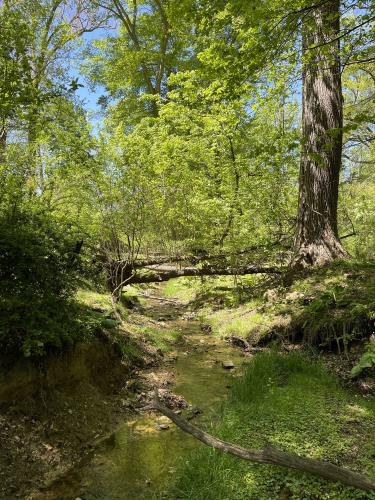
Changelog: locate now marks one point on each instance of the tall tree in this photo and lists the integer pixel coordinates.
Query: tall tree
(317, 240)
(55, 26)
(15, 37)
(248, 45)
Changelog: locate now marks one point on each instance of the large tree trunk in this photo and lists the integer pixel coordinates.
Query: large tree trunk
(317, 241)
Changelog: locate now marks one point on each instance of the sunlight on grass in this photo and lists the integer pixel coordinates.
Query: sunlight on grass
(183, 289)
(161, 338)
(95, 299)
(128, 335)
(297, 406)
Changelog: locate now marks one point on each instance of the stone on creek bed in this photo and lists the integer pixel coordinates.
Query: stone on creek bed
(227, 364)
(162, 427)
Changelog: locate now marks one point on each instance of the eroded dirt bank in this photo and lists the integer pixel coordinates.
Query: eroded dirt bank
(51, 412)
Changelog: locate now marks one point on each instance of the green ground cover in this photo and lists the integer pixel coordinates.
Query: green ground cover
(297, 406)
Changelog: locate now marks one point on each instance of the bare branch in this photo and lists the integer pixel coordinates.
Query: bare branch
(269, 454)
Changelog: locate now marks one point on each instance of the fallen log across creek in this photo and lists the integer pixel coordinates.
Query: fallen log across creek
(157, 274)
(269, 454)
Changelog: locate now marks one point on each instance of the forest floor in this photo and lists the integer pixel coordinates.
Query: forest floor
(45, 435)
(328, 312)
(298, 392)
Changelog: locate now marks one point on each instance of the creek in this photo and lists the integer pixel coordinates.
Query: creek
(140, 458)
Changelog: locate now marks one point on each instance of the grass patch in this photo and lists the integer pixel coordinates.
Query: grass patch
(298, 407)
(130, 338)
(100, 317)
(183, 289)
(101, 304)
(213, 291)
(162, 339)
(95, 300)
(246, 321)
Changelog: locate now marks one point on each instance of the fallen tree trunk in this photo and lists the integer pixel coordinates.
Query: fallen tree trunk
(122, 272)
(164, 274)
(269, 455)
(195, 259)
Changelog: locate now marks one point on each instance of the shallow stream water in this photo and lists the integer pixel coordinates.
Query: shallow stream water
(139, 461)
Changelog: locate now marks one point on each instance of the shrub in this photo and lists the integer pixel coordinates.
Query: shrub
(38, 273)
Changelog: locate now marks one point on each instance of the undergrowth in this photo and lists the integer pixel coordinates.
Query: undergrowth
(131, 331)
(298, 407)
(326, 307)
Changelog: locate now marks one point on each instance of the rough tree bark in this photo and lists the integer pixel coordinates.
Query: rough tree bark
(317, 241)
(269, 455)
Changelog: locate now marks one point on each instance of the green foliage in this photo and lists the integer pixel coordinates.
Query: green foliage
(15, 84)
(298, 407)
(38, 271)
(367, 360)
(133, 66)
(199, 146)
(47, 184)
(153, 168)
(357, 212)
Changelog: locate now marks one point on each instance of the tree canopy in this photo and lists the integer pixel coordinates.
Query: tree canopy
(196, 149)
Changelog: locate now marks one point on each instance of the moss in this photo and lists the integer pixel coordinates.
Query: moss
(300, 408)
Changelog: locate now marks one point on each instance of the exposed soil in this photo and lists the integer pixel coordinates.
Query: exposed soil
(137, 460)
(43, 433)
(51, 416)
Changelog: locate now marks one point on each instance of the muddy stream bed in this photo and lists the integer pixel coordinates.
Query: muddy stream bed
(139, 460)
